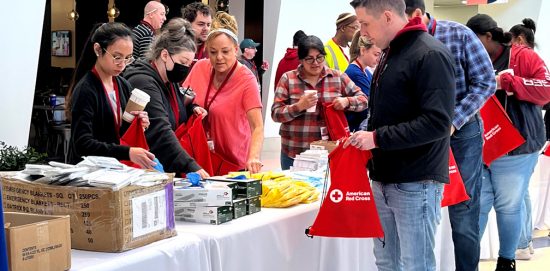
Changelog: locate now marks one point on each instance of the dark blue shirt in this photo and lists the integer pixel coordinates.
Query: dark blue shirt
(362, 79)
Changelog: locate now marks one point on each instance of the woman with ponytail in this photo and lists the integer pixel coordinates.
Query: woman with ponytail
(522, 88)
(98, 95)
(524, 34)
(159, 74)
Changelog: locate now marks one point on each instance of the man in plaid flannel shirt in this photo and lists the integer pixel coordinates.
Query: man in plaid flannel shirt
(299, 127)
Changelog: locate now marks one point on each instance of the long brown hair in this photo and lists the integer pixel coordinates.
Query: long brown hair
(357, 42)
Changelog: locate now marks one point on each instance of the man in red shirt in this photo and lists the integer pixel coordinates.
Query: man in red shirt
(290, 61)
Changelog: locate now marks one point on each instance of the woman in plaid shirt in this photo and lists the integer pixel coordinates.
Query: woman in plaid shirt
(299, 127)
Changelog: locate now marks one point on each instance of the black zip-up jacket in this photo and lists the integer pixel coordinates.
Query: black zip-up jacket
(93, 129)
(160, 135)
(411, 107)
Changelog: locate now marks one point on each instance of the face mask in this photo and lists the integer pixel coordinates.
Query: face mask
(178, 73)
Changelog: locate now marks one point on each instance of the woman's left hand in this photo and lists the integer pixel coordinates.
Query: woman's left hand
(144, 117)
(199, 111)
(340, 103)
(254, 165)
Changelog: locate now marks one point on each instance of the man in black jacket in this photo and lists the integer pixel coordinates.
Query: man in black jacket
(412, 100)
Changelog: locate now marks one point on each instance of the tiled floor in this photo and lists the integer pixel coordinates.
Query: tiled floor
(539, 262)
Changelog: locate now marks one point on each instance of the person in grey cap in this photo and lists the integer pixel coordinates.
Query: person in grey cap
(248, 49)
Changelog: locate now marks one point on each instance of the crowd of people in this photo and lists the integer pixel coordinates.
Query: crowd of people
(411, 87)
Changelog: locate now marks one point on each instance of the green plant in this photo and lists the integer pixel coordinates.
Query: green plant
(12, 158)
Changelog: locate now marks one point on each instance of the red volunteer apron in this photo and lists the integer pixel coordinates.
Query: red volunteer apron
(348, 210)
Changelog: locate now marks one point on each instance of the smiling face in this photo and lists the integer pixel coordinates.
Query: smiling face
(112, 59)
(222, 51)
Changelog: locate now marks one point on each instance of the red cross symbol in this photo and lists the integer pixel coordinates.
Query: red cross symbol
(336, 196)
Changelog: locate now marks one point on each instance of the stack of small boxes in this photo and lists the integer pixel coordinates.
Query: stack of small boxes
(217, 200)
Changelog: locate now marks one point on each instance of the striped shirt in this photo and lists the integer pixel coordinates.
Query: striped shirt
(299, 128)
(142, 37)
(475, 79)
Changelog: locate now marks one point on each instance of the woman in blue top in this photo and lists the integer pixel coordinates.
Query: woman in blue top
(364, 57)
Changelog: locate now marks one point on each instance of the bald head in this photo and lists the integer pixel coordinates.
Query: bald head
(154, 14)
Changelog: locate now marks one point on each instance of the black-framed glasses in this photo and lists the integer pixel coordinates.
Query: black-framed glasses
(318, 59)
(119, 60)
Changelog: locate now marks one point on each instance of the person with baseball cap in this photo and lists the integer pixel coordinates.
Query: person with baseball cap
(248, 49)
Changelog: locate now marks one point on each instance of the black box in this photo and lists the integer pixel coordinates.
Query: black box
(253, 205)
(239, 208)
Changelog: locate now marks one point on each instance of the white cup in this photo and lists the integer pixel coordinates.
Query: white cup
(308, 91)
(137, 102)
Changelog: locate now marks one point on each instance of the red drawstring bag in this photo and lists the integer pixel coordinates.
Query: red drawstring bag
(193, 140)
(221, 166)
(134, 137)
(500, 136)
(547, 151)
(454, 192)
(337, 124)
(348, 209)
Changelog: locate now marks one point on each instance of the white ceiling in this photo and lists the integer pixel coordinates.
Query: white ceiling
(448, 3)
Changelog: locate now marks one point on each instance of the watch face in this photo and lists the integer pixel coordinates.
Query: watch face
(223, 5)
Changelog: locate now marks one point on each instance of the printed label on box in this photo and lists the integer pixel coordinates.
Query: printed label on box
(149, 213)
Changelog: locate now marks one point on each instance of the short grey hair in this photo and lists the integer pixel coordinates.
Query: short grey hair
(377, 7)
(176, 36)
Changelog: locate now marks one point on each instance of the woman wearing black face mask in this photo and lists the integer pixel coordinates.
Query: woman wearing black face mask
(166, 65)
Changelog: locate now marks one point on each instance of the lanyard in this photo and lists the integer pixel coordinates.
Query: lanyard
(116, 111)
(431, 26)
(360, 66)
(341, 50)
(171, 97)
(208, 104)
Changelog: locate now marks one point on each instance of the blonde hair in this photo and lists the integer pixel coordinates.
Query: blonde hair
(357, 42)
(223, 24)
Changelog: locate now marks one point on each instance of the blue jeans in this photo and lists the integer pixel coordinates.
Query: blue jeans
(467, 145)
(504, 185)
(286, 161)
(526, 234)
(409, 213)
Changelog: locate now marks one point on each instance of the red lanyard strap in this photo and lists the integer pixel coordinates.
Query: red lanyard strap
(342, 50)
(116, 111)
(174, 103)
(207, 104)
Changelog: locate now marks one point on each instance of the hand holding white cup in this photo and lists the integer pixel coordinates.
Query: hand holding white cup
(137, 102)
(311, 93)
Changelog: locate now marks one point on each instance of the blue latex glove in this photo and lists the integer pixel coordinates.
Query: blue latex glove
(194, 178)
(159, 166)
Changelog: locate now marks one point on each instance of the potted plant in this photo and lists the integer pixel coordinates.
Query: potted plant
(15, 159)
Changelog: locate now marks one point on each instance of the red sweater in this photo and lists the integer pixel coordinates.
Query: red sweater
(289, 62)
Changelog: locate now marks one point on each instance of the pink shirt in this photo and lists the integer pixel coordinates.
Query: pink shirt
(229, 127)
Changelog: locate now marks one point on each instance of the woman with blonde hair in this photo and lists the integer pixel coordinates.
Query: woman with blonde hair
(229, 92)
(364, 57)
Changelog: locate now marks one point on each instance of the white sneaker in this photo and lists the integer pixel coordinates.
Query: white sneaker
(523, 254)
(531, 248)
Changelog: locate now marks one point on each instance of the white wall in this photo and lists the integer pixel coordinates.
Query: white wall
(19, 54)
(542, 38)
(314, 17)
(460, 14)
(236, 8)
(511, 13)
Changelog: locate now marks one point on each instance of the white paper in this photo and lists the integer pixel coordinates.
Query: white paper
(148, 213)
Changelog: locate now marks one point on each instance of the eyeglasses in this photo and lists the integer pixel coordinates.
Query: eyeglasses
(318, 59)
(153, 10)
(119, 60)
(354, 27)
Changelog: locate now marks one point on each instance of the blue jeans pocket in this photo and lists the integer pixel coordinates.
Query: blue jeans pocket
(410, 188)
(469, 130)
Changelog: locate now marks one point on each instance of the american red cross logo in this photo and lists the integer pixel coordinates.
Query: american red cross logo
(336, 195)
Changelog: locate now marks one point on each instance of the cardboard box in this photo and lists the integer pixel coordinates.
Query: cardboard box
(253, 205)
(101, 219)
(239, 208)
(323, 145)
(201, 196)
(246, 188)
(211, 215)
(38, 242)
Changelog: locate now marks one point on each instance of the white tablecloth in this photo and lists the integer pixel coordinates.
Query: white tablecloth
(182, 252)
